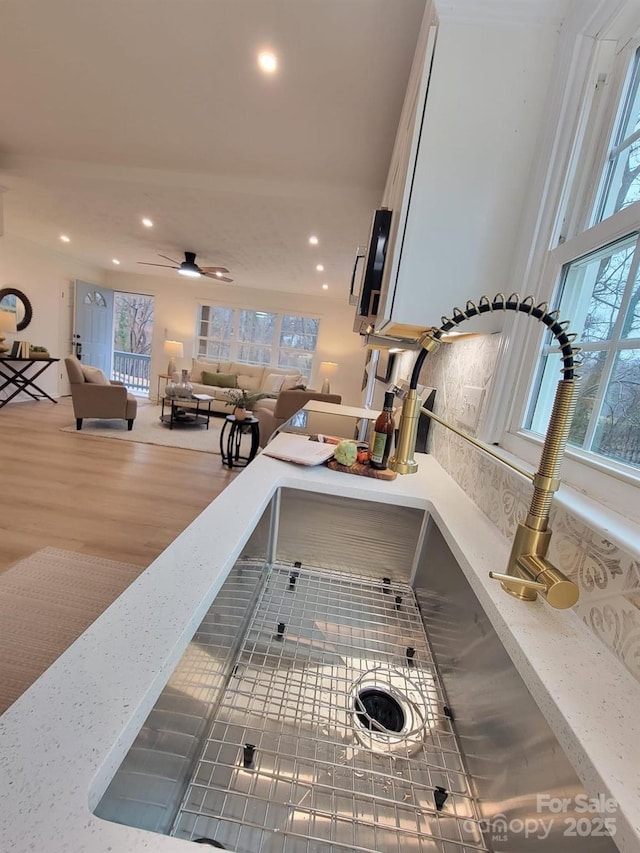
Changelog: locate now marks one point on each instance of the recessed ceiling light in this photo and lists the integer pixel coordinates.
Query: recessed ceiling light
(267, 61)
(65, 239)
(325, 287)
(320, 268)
(115, 261)
(147, 222)
(313, 240)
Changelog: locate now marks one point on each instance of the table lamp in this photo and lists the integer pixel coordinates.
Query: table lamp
(327, 369)
(173, 349)
(7, 324)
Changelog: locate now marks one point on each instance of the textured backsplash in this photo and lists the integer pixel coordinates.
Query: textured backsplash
(608, 576)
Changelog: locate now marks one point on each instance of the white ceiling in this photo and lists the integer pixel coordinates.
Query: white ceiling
(116, 109)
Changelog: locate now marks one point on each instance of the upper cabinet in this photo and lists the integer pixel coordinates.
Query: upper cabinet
(461, 164)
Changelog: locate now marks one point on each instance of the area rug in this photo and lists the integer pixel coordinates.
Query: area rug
(46, 601)
(147, 429)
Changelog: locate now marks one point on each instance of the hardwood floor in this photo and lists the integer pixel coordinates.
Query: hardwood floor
(114, 499)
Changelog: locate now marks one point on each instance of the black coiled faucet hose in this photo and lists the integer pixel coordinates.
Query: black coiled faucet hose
(512, 303)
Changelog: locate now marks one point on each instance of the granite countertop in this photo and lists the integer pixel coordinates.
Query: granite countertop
(62, 741)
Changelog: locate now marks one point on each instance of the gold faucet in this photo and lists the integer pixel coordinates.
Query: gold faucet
(528, 570)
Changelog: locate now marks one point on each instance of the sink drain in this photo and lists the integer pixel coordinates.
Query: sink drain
(392, 709)
(377, 710)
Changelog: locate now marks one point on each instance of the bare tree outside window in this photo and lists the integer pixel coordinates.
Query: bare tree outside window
(600, 294)
(258, 337)
(133, 325)
(132, 335)
(298, 339)
(620, 185)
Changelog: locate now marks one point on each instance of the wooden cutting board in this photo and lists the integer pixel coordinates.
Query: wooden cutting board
(362, 470)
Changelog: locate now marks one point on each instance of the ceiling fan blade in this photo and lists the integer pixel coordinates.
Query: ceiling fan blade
(215, 269)
(177, 263)
(216, 277)
(166, 266)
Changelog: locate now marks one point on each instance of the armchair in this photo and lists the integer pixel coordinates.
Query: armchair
(95, 396)
(272, 414)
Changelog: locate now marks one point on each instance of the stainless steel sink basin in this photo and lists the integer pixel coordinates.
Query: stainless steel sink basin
(325, 774)
(313, 712)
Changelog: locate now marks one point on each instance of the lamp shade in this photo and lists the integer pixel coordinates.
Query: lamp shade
(174, 349)
(8, 322)
(327, 369)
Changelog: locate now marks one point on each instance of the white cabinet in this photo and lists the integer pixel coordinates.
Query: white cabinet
(468, 157)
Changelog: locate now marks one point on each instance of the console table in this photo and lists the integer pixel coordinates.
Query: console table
(16, 376)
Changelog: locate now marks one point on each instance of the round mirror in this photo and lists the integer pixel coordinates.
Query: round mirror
(15, 301)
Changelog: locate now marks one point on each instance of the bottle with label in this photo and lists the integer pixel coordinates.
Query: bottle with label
(383, 434)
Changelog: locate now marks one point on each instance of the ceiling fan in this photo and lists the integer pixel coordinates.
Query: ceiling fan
(190, 268)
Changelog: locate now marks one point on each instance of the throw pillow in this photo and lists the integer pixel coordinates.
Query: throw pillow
(290, 382)
(220, 380)
(273, 383)
(199, 365)
(94, 375)
(248, 382)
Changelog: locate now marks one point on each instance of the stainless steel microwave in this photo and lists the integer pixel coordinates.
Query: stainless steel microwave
(367, 294)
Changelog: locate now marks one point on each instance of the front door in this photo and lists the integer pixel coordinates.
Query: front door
(93, 325)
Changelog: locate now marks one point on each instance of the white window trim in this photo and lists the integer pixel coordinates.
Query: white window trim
(273, 347)
(613, 486)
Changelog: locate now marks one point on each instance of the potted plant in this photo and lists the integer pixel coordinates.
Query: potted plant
(38, 352)
(242, 401)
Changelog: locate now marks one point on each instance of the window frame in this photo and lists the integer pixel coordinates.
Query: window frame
(235, 343)
(524, 443)
(570, 209)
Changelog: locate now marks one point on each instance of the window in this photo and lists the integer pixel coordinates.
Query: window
(258, 337)
(255, 337)
(298, 338)
(216, 326)
(620, 180)
(597, 288)
(601, 293)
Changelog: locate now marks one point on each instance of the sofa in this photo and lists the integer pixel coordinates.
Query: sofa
(273, 413)
(217, 378)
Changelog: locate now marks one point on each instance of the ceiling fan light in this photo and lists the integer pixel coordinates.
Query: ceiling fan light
(190, 272)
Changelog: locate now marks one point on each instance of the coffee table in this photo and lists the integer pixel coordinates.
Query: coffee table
(193, 411)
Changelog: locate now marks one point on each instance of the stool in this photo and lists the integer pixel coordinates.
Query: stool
(230, 438)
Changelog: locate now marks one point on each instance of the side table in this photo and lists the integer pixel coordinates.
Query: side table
(230, 437)
(166, 378)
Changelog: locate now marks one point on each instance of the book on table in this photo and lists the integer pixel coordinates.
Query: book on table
(202, 397)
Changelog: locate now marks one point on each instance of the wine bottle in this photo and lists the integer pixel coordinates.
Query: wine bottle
(383, 434)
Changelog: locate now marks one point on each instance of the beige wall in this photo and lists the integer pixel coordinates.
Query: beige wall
(46, 278)
(177, 299)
